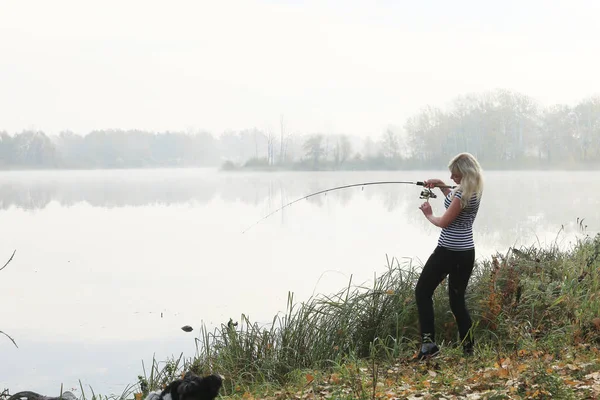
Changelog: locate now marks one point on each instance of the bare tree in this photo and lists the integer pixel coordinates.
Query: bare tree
(282, 142)
(390, 145)
(346, 148)
(341, 150)
(270, 136)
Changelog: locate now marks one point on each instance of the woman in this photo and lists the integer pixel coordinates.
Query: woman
(454, 255)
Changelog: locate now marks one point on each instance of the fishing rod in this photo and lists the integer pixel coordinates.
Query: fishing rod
(426, 194)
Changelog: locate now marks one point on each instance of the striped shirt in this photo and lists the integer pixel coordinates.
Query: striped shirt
(459, 234)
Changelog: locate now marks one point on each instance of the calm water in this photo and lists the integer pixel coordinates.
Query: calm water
(110, 264)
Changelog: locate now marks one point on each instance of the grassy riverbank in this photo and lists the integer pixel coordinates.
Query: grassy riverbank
(537, 334)
(537, 328)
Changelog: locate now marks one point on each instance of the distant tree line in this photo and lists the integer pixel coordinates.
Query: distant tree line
(508, 129)
(503, 129)
(107, 149)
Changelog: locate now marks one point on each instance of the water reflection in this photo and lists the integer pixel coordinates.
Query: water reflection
(515, 202)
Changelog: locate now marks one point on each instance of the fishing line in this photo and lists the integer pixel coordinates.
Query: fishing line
(425, 194)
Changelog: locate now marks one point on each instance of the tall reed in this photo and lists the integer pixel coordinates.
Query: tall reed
(527, 297)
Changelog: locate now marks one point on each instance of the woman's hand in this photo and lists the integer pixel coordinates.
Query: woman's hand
(426, 208)
(431, 183)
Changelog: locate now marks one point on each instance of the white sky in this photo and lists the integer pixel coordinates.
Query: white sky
(332, 67)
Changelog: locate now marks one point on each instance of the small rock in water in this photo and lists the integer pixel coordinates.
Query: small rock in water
(187, 328)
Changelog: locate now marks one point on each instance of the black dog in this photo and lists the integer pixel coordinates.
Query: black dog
(191, 387)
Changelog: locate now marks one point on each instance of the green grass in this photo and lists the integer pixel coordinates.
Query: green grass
(536, 299)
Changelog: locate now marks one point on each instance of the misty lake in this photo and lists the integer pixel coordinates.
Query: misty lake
(110, 264)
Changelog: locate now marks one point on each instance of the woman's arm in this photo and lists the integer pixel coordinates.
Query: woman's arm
(432, 183)
(446, 219)
(445, 190)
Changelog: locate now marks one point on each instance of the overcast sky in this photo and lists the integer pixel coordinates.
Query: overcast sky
(327, 66)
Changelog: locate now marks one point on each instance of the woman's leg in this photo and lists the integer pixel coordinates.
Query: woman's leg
(433, 273)
(457, 285)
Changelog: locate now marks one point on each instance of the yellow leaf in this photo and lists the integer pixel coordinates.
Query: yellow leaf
(522, 353)
(522, 367)
(138, 396)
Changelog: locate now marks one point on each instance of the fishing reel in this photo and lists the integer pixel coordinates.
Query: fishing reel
(427, 194)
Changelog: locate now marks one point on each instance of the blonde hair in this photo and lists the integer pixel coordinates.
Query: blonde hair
(471, 182)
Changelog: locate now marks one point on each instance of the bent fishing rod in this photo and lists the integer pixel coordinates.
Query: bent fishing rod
(426, 194)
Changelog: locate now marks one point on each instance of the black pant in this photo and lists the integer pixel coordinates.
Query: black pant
(458, 266)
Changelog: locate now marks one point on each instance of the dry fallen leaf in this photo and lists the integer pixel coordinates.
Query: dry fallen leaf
(335, 378)
(594, 375)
